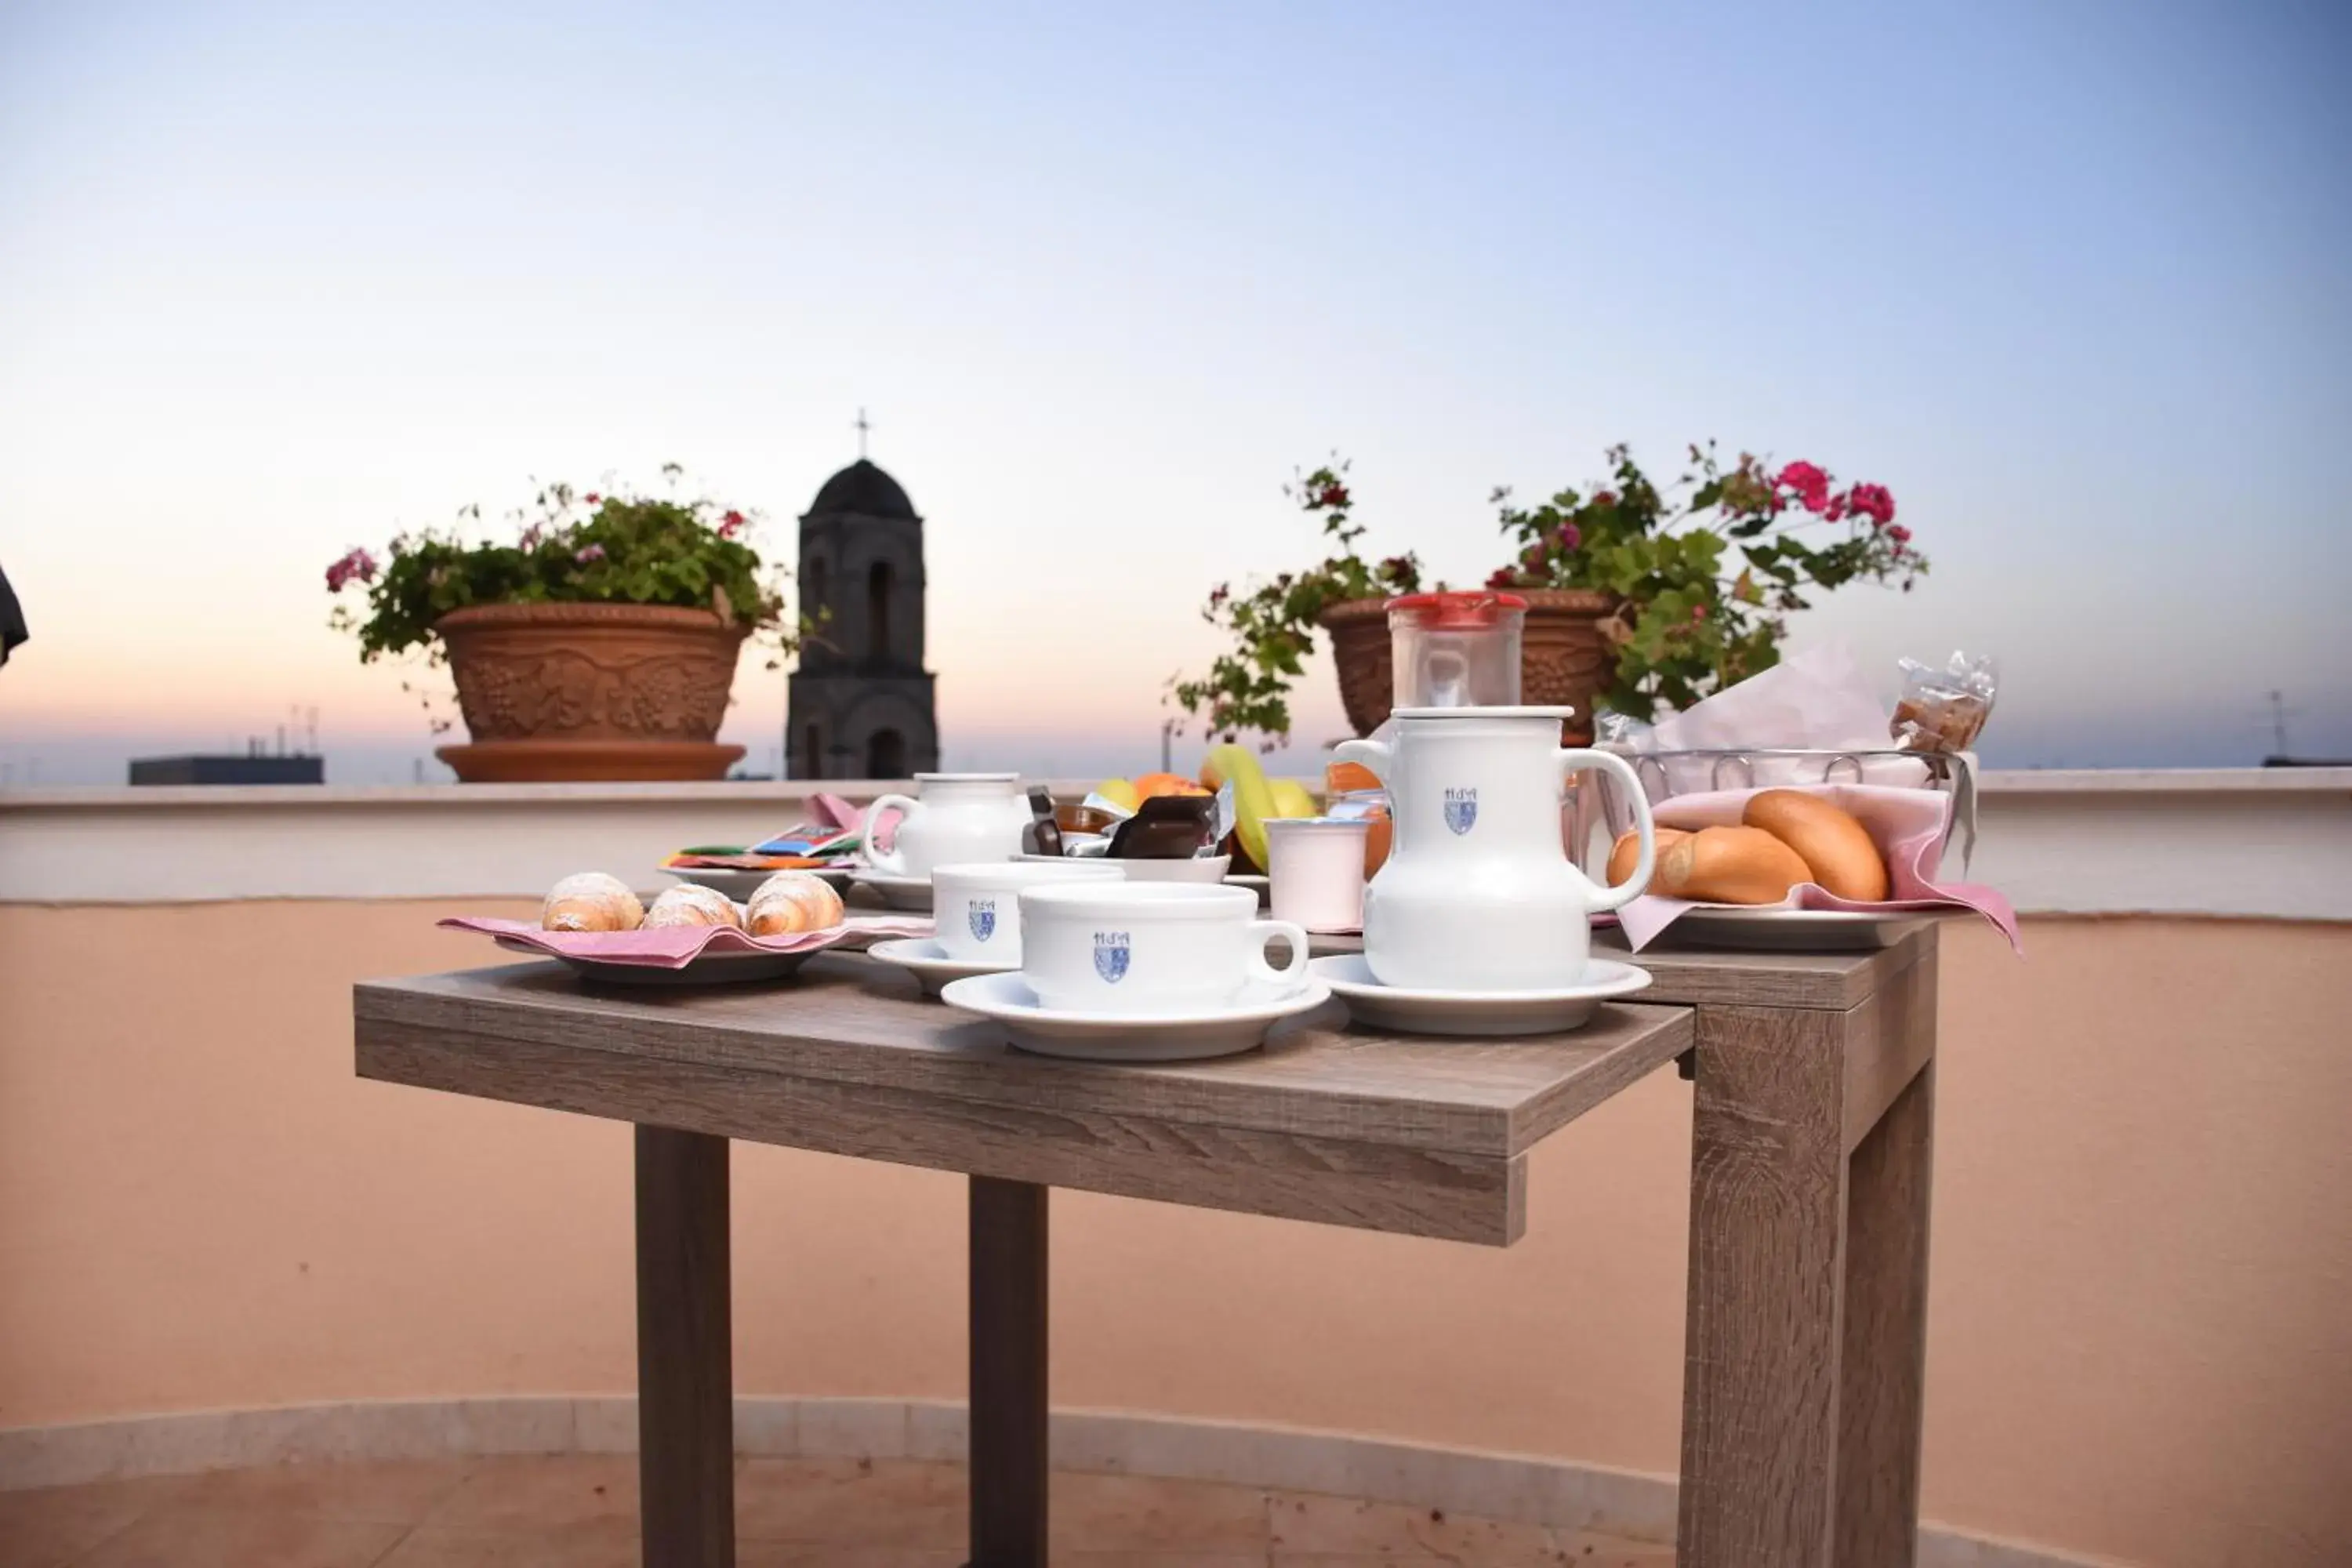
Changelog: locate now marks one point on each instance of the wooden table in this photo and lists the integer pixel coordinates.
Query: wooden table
(1814, 1085)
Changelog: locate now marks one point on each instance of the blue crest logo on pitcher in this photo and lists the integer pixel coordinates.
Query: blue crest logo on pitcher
(1111, 956)
(1461, 809)
(982, 917)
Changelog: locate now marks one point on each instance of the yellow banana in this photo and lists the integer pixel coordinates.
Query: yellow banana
(1254, 799)
(1291, 798)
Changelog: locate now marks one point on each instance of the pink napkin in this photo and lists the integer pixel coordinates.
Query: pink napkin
(1907, 825)
(674, 947)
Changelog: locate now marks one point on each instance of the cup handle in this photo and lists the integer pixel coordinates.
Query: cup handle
(891, 862)
(1607, 899)
(1291, 975)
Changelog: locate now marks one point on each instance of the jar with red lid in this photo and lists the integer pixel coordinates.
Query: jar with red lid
(1456, 650)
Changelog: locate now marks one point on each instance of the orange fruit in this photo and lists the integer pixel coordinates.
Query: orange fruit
(1341, 778)
(1153, 785)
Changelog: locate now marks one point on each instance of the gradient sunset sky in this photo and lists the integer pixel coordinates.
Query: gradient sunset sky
(2071, 278)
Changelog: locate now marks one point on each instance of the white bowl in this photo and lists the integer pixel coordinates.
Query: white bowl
(1201, 869)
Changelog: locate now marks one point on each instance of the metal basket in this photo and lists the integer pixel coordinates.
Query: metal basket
(1600, 802)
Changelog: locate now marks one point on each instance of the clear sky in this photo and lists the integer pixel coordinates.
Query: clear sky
(2071, 278)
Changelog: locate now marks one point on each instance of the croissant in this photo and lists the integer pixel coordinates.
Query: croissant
(794, 901)
(689, 905)
(591, 900)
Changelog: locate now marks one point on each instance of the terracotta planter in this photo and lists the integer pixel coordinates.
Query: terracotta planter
(566, 693)
(1564, 661)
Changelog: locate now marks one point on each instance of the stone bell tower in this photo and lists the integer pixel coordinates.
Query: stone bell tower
(860, 704)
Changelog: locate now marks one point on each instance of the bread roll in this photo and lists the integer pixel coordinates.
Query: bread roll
(1626, 853)
(1836, 846)
(591, 900)
(691, 905)
(794, 901)
(1729, 866)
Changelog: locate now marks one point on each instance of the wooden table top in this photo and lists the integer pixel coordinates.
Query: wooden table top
(1330, 1122)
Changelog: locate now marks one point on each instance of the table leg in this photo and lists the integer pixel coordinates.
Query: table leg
(686, 1393)
(1883, 1377)
(1767, 1279)
(1008, 1374)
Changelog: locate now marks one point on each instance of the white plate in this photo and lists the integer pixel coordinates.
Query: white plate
(1475, 1012)
(1122, 1038)
(912, 893)
(709, 969)
(929, 962)
(1791, 931)
(740, 885)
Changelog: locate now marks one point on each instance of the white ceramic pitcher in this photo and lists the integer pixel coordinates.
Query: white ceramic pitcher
(960, 818)
(1478, 893)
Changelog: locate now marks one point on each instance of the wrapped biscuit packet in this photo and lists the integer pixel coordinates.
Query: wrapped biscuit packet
(1945, 710)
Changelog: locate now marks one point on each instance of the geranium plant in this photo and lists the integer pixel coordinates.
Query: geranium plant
(569, 547)
(1701, 575)
(1273, 625)
(1707, 571)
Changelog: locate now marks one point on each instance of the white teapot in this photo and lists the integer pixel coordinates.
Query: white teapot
(1479, 893)
(960, 819)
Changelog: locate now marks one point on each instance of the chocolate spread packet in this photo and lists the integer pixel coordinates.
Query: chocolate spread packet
(1166, 827)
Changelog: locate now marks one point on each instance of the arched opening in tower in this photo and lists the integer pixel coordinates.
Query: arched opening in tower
(879, 585)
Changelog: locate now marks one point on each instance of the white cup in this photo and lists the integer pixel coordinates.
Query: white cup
(1315, 867)
(1149, 947)
(977, 908)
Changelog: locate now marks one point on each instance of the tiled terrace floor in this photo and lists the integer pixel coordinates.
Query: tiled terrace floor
(581, 1513)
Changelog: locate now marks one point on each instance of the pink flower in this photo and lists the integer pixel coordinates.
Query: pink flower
(590, 553)
(1532, 557)
(1698, 613)
(1872, 502)
(1836, 508)
(731, 525)
(1812, 485)
(355, 564)
(1501, 577)
(531, 536)
(1900, 534)
(591, 498)
(1332, 496)
(1568, 538)
(1606, 498)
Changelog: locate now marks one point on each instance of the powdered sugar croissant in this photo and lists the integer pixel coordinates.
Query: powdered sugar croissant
(792, 901)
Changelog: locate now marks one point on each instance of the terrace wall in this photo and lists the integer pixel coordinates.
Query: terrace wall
(2139, 1341)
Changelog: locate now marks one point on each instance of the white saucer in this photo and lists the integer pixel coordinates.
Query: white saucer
(1790, 930)
(1475, 1012)
(740, 885)
(929, 962)
(1122, 1038)
(898, 892)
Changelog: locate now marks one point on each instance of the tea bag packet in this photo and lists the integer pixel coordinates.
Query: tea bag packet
(1166, 827)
